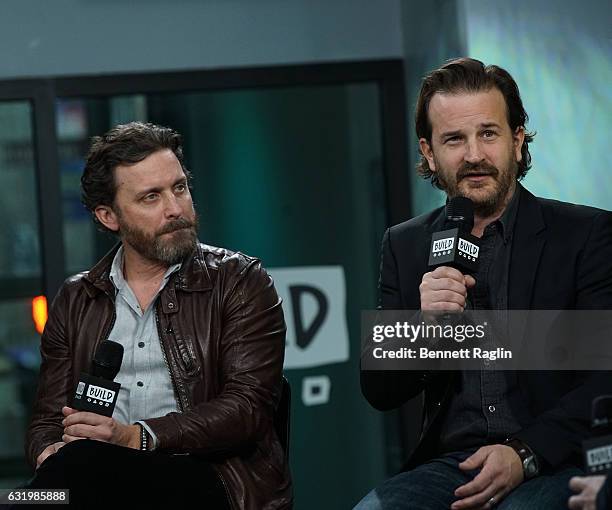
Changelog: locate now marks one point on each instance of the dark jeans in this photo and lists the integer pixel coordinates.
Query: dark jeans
(102, 475)
(431, 486)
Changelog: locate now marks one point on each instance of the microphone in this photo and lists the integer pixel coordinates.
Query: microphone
(598, 449)
(455, 246)
(97, 392)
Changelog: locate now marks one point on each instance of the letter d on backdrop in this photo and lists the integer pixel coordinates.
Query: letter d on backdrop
(314, 301)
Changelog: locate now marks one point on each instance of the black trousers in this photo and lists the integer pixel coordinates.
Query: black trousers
(102, 475)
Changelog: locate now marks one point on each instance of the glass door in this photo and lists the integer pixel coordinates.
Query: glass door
(21, 283)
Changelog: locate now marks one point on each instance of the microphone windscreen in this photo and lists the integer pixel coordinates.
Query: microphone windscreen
(460, 213)
(601, 411)
(107, 360)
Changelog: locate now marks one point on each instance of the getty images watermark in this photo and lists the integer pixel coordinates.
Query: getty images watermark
(481, 339)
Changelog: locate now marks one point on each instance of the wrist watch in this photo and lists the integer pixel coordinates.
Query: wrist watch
(529, 460)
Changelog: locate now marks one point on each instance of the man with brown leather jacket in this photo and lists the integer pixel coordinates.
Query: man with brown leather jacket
(203, 335)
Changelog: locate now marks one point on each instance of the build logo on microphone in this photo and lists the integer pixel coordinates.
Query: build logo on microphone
(101, 394)
(96, 394)
(467, 249)
(443, 246)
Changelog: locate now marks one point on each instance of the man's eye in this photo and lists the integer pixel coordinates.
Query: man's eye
(150, 197)
(488, 133)
(180, 188)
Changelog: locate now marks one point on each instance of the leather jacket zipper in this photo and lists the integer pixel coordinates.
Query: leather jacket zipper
(109, 329)
(172, 379)
(159, 333)
(229, 501)
(111, 325)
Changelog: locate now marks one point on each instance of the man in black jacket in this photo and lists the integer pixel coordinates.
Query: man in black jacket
(490, 438)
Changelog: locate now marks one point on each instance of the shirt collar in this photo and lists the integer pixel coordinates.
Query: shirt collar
(508, 218)
(116, 271)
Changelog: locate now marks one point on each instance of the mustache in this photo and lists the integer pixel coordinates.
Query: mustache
(175, 225)
(476, 169)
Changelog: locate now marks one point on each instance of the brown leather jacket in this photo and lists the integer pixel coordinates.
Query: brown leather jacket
(221, 326)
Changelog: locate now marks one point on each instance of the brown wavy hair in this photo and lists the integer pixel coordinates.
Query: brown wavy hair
(470, 75)
(125, 144)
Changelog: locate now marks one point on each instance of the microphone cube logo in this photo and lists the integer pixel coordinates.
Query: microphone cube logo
(467, 249)
(597, 454)
(80, 388)
(599, 459)
(442, 245)
(100, 394)
(95, 394)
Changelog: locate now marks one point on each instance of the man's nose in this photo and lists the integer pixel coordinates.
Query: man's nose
(473, 152)
(172, 207)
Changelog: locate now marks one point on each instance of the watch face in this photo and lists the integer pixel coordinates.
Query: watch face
(529, 466)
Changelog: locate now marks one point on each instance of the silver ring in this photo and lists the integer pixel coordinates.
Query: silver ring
(492, 502)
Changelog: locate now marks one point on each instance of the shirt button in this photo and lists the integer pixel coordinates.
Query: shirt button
(140, 344)
(491, 409)
(171, 305)
(140, 383)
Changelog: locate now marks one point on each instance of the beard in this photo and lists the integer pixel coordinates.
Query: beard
(159, 247)
(487, 201)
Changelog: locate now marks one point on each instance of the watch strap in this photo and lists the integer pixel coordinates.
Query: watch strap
(527, 456)
(144, 438)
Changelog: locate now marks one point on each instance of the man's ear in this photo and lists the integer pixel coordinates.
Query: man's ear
(107, 217)
(427, 153)
(518, 137)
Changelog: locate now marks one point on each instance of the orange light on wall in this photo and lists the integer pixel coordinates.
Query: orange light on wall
(39, 313)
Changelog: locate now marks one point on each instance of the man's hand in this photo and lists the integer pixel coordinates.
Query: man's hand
(48, 451)
(501, 471)
(444, 289)
(81, 425)
(588, 486)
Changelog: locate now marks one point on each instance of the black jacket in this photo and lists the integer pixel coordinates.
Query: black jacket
(561, 259)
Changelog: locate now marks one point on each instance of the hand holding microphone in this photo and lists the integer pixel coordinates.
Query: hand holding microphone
(453, 255)
(594, 490)
(94, 402)
(445, 289)
(87, 425)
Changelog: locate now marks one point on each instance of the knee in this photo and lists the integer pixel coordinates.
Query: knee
(70, 462)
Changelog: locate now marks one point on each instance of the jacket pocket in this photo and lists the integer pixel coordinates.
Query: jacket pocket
(188, 356)
(183, 350)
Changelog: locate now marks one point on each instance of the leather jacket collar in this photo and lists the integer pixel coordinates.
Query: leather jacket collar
(192, 277)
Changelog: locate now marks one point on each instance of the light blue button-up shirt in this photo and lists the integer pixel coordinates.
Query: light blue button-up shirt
(146, 388)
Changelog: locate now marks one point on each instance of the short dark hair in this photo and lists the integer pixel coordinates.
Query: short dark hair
(125, 144)
(470, 75)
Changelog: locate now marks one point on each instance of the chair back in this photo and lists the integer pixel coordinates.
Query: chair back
(282, 417)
